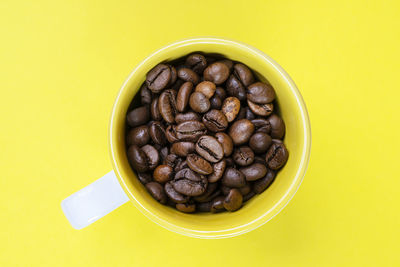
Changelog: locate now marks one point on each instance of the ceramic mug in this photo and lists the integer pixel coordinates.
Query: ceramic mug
(120, 185)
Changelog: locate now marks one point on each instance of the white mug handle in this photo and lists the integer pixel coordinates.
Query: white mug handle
(94, 201)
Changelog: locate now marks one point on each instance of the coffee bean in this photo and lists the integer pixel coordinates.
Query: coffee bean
(235, 88)
(215, 121)
(241, 131)
(174, 75)
(260, 159)
(163, 173)
(228, 63)
(233, 201)
(163, 154)
(233, 178)
(249, 115)
(138, 136)
(206, 88)
(199, 102)
(209, 148)
(154, 110)
(196, 62)
(217, 172)
(186, 207)
(145, 95)
(254, 172)
(189, 183)
(138, 116)
(205, 197)
(198, 164)
(181, 164)
(217, 204)
(157, 191)
(220, 92)
(243, 156)
(226, 142)
(144, 177)
(171, 160)
(261, 184)
(182, 148)
(203, 207)
(245, 189)
(242, 113)
(262, 125)
(137, 159)
(230, 108)
(215, 102)
(167, 105)
(277, 156)
(248, 196)
(217, 73)
(182, 99)
(260, 142)
(173, 195)
(158, 78)
(277, 126)
(152, 156)
(225, 190)
(190, 130)
(260, 93)
(189, 116)
(188, 75)
(243, 73)
(261, 109)
(170, 133)
(157, 133)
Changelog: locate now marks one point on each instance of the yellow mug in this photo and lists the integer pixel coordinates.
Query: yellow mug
(96, 200)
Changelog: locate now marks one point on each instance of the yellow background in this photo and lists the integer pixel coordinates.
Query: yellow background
(62, 63)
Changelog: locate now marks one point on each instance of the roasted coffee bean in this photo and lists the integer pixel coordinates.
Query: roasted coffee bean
(207, 88)
(138, 116)
(260, 93)
(261, 109)
(209, 148)
(163, 173)
(203, 207)
(243, 156)
(218, 171)
(154, 110)
(157, 191)
(249, 115)
(182, 98)
(230, 108)
(170, 134)
(248, 196)
(220, 92)
(217, 73)
(180, 164)
(163, 154)
(138, 136)
(215, 102)
(199, 102)
(241, 131)
(217, 204)
(226, 142)
(198, 164)
(277, 126)
(188, 75)
(173, 195)
(245, 189)
(182, 148)
(241, 114)
(260, 159)
(158, 78)
(196, 62)
(225, 190)
(137, 158)
(145, 95)
(235, 88)
(261, 184)
(171, 160)
(260, 142)
(277, 155)
(174, 75)
(215, 121)
(190, 130)
(144, 177)
(167, 105)
(254, 172)
(243, 73)
(205, 197)
(152, 156)
(188, 116)
(186, 207)
(233, 201)
(189, 183)
(262, 125)
(233, 178)
(228, 63)
(157, 133)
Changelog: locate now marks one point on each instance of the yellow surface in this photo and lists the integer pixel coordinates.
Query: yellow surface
(62, 64)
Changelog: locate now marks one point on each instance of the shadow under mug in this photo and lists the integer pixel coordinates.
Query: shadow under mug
(120, 185)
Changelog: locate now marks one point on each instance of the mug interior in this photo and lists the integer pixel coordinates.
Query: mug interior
(260, 208)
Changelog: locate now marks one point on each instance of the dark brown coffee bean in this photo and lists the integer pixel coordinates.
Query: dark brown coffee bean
(260, 93)
(199, 102)
(241, 131)
(171, 160)
(188, 75)
(180, 164)
(243, 73)
(138, 136)
(196, 62)
(144, 177)
(198, 164)
(203, 207)
(188, 116)
(215, 121)
(186, 207)
(182, 148)
(260, 185)
(217, 73)
(218, 171)
(157, 191)
(145, 95)
(152, 156)
(254, 172)
(260, 142)
(137, 159)
(163, 153)
(173, 195)
(260, 159)
(261, 109)
(277, 126)
(190, 131)
(174, 75)
(138, 116)
(242, 113)
(245, 189)
(206, 88)
(182, 98)
(233, 201)
(230, 108)
(157, 133)
(217, 204)
(277, 156)
(170, 134)
(248, 196)
(226, 142)
(163, 173)
(158, 78)
(167, 105)
(220, 92)
(228, 63)
(209, 148)
(189, 183)
(233, 178)
(262, 125)
(243, 156)
(249, 115)
(205, 197)
(235, 88)
(215, 102)
(154, 110)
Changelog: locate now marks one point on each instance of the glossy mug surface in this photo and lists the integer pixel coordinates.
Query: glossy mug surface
(261, 208)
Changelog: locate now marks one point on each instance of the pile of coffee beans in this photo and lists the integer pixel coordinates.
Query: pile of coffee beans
(203, 136)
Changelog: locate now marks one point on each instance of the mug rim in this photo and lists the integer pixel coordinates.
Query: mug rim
(290, 191)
